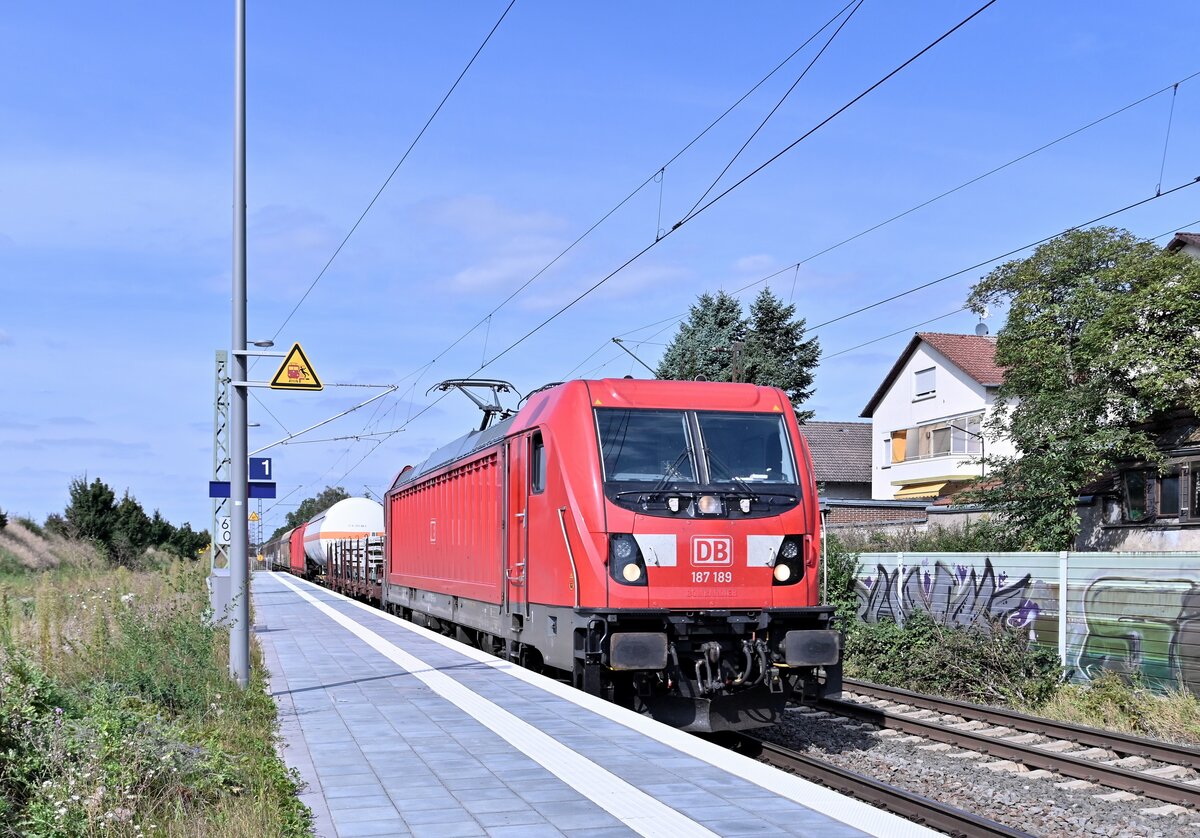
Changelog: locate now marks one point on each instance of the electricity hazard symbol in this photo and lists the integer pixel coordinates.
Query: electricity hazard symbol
(296, 373)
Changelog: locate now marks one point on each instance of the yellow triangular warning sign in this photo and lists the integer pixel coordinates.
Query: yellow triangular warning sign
(253, 516)
(295, 373)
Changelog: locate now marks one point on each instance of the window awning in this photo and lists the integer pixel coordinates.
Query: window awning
(921, 490)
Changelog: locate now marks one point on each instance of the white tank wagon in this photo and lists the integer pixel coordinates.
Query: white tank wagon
(352, 519)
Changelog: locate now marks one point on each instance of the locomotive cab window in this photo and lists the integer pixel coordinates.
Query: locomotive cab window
(537, 464)
(645, 446)
(746, 448)
(660, 451)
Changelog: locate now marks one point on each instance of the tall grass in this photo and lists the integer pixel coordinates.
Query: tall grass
(117, 716)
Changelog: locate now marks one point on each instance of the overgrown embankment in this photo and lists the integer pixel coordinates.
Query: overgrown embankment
(989, 664)
(117, 716)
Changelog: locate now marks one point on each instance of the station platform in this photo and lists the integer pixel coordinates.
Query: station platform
(397, 730)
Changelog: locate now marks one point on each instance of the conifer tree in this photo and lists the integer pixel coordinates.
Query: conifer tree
(776, 353)
(717, 343)
(706, 342)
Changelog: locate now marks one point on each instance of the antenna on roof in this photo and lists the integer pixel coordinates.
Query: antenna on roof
(981, 328)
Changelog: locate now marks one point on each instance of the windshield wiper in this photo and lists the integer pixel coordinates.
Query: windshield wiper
(671, 469)
(741, 484)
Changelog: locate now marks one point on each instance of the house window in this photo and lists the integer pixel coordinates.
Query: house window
(1189, 509)
(887, 451)
(1136, 507)
(923, 384)
(968, 435)
(1168, 495)
(939, 439)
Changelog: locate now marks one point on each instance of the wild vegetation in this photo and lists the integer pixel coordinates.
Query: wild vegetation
(997, 666)
(120, 530)
(117, 716)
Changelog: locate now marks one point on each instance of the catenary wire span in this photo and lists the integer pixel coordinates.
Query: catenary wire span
(795, 266)
(850, 349)
(395, 169)
(778, 105)
(1012, 252)
(728, 190)
(653, 178)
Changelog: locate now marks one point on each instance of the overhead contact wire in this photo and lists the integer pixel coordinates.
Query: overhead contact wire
(654, 178)
(778, 105)
(796, 265)
(1012, 252)
(727, 191)
(411, 146)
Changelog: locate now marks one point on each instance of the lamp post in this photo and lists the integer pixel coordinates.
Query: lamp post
(239, 581)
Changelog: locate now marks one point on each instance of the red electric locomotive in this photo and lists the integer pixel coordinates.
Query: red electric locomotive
(655, 541)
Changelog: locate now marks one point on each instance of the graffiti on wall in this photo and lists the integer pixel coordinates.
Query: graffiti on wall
(1130, 614)
(953, 596)
(1144, 626)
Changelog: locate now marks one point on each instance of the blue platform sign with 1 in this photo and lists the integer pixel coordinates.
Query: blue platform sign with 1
(260, 468)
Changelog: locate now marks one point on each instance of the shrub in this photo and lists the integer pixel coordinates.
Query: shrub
(3, 519)
(999, 667)
(986, 535)
(31, 525)
(841, 579)
(1115, 702)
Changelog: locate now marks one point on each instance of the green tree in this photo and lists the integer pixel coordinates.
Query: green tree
(131, 532)
(707, 342)
(1102, 336)
(91, 512)
(3, 519)
(186, 542)
(161, 530)
(718, 343)
(776, 353)
(310, 507)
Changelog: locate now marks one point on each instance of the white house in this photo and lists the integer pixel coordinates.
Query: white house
(927, 416)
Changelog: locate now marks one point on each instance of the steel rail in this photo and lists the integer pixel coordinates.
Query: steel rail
(1093, 771)
(1121, 742)
(914, 807)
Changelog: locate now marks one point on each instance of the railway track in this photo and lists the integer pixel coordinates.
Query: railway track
(1084, 754)
(914, 807)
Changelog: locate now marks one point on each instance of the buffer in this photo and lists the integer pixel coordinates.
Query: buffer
(296, 373)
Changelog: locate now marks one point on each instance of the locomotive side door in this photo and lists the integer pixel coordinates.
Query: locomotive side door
(517, 525)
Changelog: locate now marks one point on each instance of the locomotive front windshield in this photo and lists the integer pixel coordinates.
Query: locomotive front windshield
(667, 447)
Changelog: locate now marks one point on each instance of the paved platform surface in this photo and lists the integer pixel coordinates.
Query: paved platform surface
(397, 730)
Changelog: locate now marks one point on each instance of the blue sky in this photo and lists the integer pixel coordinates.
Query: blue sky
(115, 196)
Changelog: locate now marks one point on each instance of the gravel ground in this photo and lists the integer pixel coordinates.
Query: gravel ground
(1024, 801)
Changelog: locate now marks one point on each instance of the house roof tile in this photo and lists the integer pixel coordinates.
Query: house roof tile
(841, 451)
(1183, 239)
(973, 354)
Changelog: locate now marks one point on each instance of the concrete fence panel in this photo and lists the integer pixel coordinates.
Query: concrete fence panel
(1132, 613)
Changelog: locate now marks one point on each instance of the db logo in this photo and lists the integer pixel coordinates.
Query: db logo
(712, 550)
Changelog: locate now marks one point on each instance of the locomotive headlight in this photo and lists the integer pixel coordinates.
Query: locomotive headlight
(673, 504)
(789, 550)
(708, 505)
(783, 572)
(625, 562)
(745, 506)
